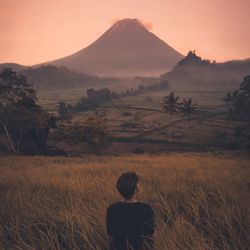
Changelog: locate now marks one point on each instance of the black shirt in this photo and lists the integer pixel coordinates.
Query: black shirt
(130, 225)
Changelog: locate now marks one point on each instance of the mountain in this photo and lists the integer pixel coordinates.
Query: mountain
(129, 49)
(126, 49)
(194, 70)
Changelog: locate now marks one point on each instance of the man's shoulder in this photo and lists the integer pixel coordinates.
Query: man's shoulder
(145, 205)
(137, 204)
(114, 205)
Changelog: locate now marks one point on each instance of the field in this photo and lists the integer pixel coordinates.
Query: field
(138, 122)
(49, 98)
(200, 201)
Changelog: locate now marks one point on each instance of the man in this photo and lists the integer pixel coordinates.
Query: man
(130, 223)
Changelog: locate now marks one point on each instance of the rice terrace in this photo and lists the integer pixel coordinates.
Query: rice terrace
(113, 139)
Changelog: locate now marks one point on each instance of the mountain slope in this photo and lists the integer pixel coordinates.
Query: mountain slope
(126, 49)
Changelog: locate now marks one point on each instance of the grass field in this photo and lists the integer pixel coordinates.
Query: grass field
(200, 201)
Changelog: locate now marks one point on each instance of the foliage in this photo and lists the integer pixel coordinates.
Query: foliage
(97, 97)
(94, 99)
(92, 133)
(170, 103)
(13, 87)
(238, 102)
(63, 111)
(187, 107)
(24, 126)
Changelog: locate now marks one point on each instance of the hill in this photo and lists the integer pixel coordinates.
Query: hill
(13, 66)
(194, 70)
(126, 49)
(53, 77)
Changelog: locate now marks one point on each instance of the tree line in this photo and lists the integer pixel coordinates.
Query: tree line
(95, 98)
(50, 76)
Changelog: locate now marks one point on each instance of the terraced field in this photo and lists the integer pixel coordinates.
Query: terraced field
(140, 121)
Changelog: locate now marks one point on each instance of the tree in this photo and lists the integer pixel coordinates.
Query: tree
(170, 103)
(93, 133)
(187, 107)
(24, 126)
(238, 102)
(245, 86)
(13, 88)
(64, 111)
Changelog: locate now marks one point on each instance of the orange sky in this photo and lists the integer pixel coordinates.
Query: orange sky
(33, 31)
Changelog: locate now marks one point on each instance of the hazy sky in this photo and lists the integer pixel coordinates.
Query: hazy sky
(34, 31)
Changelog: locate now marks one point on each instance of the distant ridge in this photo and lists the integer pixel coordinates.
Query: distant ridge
(129, 49)
(13, 66)
(126, 49)
(194, 70)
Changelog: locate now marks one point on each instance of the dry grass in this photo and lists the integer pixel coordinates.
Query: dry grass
(201, 201)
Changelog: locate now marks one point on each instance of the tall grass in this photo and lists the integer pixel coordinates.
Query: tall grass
(201, 201)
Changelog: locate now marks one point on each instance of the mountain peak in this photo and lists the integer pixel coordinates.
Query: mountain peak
(128, 23)
(125, 49)
(193, 59)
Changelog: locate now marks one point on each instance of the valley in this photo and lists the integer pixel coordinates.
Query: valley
(138, 123)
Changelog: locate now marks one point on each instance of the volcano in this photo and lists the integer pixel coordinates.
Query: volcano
(126, 49)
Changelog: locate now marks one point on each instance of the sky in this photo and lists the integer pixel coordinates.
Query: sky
(33, 31)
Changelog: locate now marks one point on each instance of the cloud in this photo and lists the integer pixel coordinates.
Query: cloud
(147, 25)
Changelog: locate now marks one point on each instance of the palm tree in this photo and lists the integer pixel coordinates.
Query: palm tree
(187, 107)
(170, 105)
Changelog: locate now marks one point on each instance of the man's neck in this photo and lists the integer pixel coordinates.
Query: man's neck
(132, 200)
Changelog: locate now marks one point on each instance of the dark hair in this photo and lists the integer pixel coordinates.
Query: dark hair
(127, 183)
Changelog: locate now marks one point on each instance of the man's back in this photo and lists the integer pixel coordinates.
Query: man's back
(130, 225)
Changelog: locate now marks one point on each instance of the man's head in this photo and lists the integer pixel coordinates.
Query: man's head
(127, 184)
